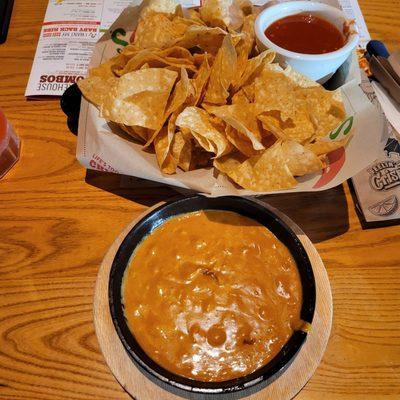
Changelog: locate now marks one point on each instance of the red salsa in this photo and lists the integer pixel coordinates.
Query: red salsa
(305, 33)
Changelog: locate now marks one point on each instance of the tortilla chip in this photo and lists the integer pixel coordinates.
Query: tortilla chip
(137, 132)
(111, 67)
(246, 94)
(187, 21)
(194, 15)
(158, 6)
(155, 61)
(128, 51)
(320, 147)
(243, 118)
(156, 30)
(187, 135)
(259, 173)
(240, 98)
(163, 140)
(164, 143)
(165, 160)
(299, 159)
(240, 141)
(182, 91)
(246, 6)
(199, 82)
(122, 59)
(268, 138)
(245, 44)
(298, 79)
(274, 90)
(325, 110)
(176, 52)
(222, 73)
(95, 88)
(278, 93)
(297, 126)
(200, 158)
(105, 70)
(207, 135)
(206, 38)
(139, 97)
(251, 67)
(179, 11)
(222, 13)
(181, 150)
(271, 121)
(312, 110)
(198, 58)
(250, 91)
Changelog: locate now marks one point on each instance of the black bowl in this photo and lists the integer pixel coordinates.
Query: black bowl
(181, 385)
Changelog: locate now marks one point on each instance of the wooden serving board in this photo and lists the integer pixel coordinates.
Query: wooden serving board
(287, 386)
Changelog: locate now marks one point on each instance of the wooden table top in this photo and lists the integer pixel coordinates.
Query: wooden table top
(57, 221)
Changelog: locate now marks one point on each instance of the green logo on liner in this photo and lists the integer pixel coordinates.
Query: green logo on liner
(116, 38)
(344, 128)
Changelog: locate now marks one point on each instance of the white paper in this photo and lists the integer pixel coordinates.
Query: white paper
(390, 107)
(69, 33)
(352, 10)
(379, 202)
(377, 186)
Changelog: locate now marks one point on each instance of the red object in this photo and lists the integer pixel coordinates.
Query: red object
(336, 160)
(72, 23)
(306, 34)
(9, 146)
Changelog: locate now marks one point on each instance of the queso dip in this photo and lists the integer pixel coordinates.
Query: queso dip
(212, 295)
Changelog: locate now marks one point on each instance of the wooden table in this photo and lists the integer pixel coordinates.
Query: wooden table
(57, 221)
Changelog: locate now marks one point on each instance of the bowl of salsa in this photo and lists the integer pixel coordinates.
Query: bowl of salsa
(314, 38)
(212, 295)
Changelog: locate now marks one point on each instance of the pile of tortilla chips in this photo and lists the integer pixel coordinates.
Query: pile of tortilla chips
(193, 87)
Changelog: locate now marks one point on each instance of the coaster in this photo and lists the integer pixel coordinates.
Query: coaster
(283, 388)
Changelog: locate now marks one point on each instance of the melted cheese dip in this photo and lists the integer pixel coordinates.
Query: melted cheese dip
(212, 295)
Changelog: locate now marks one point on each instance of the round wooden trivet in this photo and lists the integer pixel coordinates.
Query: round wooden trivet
(285, 387)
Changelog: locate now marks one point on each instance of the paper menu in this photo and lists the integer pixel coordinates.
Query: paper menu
(70, 30)
(69, 33)
(377, 186)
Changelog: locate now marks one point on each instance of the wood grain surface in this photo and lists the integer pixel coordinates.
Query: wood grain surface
(57, 221)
